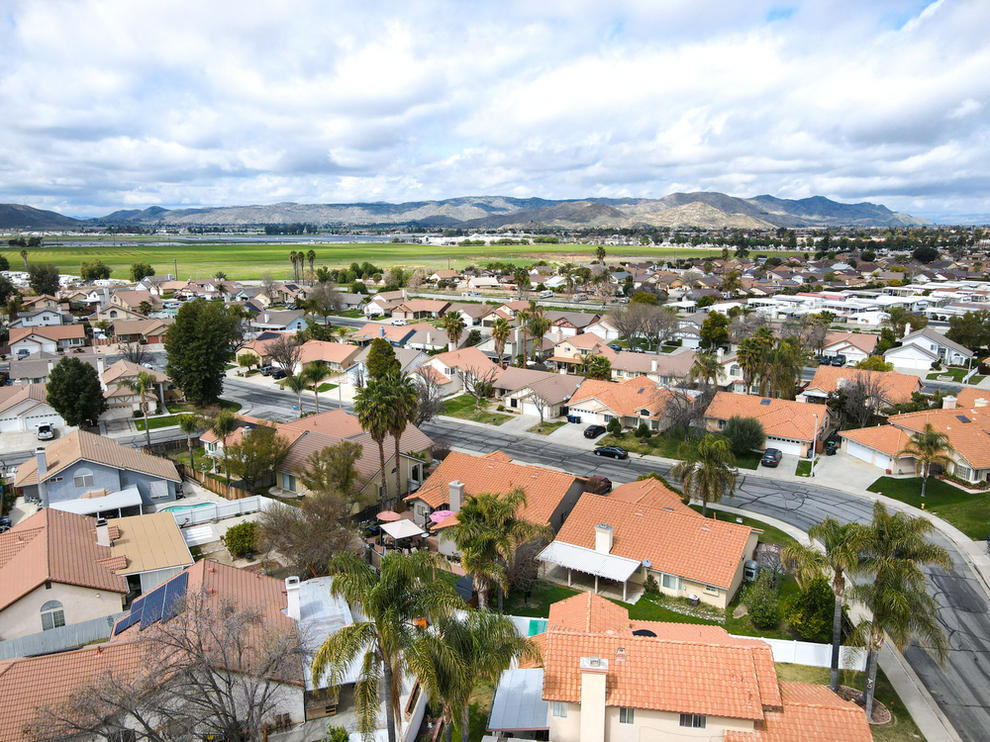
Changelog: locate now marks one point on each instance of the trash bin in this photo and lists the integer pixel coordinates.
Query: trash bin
(693, 600)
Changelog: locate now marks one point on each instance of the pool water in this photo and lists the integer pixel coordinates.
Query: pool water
(537, 626)
(186, 508)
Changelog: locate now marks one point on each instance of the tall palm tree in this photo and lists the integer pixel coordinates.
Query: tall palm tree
(489, 529)
(928, 447)
(372, 405)
(567, 271)
(296, 383)
(392, 599)
(453, 324)
(404, 405)
(311, 257)
(501, 330)
(225, 423)
(785, 366)
(893, 550)
(294, 256)
(141, 385)
(538, 324)
(191, 425)
(459, 653)
(838, 559)
(522, 316)
(707, 471)
(706, 368)
(314, 373)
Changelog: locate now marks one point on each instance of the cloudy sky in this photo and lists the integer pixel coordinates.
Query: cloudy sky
(129, 104)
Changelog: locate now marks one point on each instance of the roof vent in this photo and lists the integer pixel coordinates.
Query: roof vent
(963, 419)
(764, 401)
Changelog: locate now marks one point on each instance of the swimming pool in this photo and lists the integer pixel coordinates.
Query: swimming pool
(186, 508)
(537, 626)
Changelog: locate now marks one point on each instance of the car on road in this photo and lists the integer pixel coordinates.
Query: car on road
(593, 431)
(771, 457)
(4, 523)
(45, 432)
(148, 365)
(613, 452)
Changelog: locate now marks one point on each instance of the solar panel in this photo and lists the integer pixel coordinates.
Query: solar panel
(764, 401)
(962, 418)
(127, 621)
(175, 590)
(153, 603)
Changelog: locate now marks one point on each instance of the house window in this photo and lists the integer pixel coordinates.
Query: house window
(83, 479)
(607, 418)
(560, 709)
(672, 582)
(694, 721)
(711, 590)
(288, 482)
(627, 715)
(52, 615)
(964, 472)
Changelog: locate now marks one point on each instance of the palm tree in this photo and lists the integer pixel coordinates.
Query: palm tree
(225, 423)
(191, 425)
(392, 599)
(372, 405)
(453, 324)
(294, 256)
(894, 548)
(928, 447)
(404, 405)
(488, 531)
(24, 257)
(838, 558)
(522, 316)
(314, 373)
(459, 653)
(141, 385)
(501, 330)
(311, 257)
(537, 324)
(706, 368)
(567, 271)
(785, 366)
(298, 384)
(707, 471)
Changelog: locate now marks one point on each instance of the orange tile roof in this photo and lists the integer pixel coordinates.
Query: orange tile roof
(80, 445)
(781, 418)
(320, 350)
(968, 431)
(894, 387)
(650, 493)
(498, 474)
(811, 713)
(422, 305)
(626, 398)
(372, 330)
(687, 545)
(887, 439)
(970, 397)
(49, 332)
(585, 340)
(57, 546)
(864, 341)
(467, 359)
(17, 393)
(336, 422)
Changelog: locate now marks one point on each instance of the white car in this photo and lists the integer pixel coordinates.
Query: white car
(45, 432)
(399, 323)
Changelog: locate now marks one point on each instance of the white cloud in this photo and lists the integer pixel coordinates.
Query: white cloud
(187, 103)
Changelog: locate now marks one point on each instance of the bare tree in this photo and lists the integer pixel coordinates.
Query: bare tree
(134, 352)
(324, 301)
(682, 411)
(285, 351)
(540, 402)
(659, 325)
(215, 668)
(860, 400)
(309, 535)
(479, 384)
(628, 320)
(745, 325)
(267, 282)
(429, 399)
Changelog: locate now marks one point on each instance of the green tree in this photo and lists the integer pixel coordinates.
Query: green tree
(501, 330)
(372, 407)
(971, 330)
(403, 406)
(707, 471)
(596, 367)
(93, 271)
(886, 341)
(894, 549)
(453, 324)
(706, 368)
(614, 426)
(333, 470)
(248, 360)
(744, 434)
(141, 270)
(875, 363)
(714, 331)
(381, 358)
(538, 324)
(43, 278)
(259, 454)
(600, 254)
(314, 373)
(74, 392)
(762, 601)
(142, 385)
(392, 599)
(6, 289)
(810, 614)
(198, 347)
(644, 297)
(489, 529)
(296, 383)
(784, 370)
(225, 423)
(753, 356)
(241, 539)
(927, 447)
(191, 425)
(838, 559)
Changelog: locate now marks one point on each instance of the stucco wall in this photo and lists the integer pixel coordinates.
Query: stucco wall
(647, 726)
(78, 604)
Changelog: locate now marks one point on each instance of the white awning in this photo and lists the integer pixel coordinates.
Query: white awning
(90, 505)
(402, 529)
(589, 561)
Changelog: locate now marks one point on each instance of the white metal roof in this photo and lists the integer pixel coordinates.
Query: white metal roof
(518, 704)
(402, 529)
(589, 561)
(91, 505)
(322, 614)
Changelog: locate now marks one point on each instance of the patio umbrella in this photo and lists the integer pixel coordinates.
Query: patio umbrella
(439, 516)
(388, 515)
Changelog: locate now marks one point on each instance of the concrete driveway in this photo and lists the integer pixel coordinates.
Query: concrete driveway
(843, 470)
(572, 434)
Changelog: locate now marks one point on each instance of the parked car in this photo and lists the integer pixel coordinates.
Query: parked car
(838, 360)
(398, 322)
(278, 373)
(615, 346)
(22, 353)
(45, 432)
(613, 452)
(546, 294)
(593, 431)
(266, 370)
(4, 523)
(824, 361)
(771, 457)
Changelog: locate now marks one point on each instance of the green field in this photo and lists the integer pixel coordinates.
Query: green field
(250, 260)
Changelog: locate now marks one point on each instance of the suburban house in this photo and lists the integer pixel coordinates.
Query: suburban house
(258, 347)
(855, 346)
(97, 471)
(891, 387)
(146, 550)
(122, 401)
(46, 339)
(568, 324)
(468, 364)
(280, 320)
(413, 309)
(472, 314)
(149, 331)
(627, 536)
(395, 334)
(550, 494)
(633, 401)
(428, 338)
(572, 351)
(337, 356)
(113, 313)
(357, 373)
(920, 349)
(23, 407)
(790, 426)
(383, 303)
(531, 392)
(608, 678)
(34, 369)
(507, 310)
(132, 300)
(55, 572)
(661, 368)
(42, 317)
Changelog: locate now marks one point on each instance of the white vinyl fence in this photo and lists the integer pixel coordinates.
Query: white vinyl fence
(812, 654)
(209, 513)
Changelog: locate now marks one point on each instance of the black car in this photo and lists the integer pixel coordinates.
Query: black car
(278, 373)
(266, 370)
(593, 431)
(613, 452)
(838, 360)
(771, 457)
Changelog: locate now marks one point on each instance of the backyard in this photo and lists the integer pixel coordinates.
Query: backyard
(967, 511)
(955, 373)
(466, 408)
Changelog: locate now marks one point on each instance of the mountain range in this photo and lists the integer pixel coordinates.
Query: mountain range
(704, 209)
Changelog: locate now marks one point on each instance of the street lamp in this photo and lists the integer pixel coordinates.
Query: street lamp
(814, 446)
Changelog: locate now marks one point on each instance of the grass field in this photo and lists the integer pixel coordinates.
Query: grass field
(250, 260)
(967, 511)
(466, 408)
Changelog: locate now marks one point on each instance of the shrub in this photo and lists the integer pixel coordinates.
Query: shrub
(614, 426)
(651, 586)
(811, 613)
(761, 601)
(240, 539)
(336, 734)
(643, 431)
(744, 434)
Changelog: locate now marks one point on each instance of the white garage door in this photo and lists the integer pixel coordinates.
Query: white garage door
(31, 422)
(791, 447)
(9, 424)
(867, 454)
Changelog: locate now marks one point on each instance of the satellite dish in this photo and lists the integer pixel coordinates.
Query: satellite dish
(646, 563)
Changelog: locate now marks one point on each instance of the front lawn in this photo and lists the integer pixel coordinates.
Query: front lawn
(157, 422)
(223, 404)
(969, 512)
(667, 445)
(957, 373)
(547, 428)
(465, 408)
(803, 468)
(326, 387)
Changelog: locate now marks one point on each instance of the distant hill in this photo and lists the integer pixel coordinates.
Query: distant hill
(704, 209)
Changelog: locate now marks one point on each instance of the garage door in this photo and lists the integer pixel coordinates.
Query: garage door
(10, 424)
(867, 454)
(791, 447)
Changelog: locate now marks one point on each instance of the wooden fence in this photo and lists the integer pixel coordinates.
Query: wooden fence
(214, 485)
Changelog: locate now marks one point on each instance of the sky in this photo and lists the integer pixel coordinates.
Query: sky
(110, 105)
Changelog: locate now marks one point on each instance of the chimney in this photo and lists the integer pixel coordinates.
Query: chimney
(603, 538)
(949, 403)
(39, 456)
(102, 533)
(381, 331)
(51, 365)
(456, 496)
(653, 366)
(292, 608)
(719, 353)
(980, 402)
(594, 671)
(264, 318)
(907, 329)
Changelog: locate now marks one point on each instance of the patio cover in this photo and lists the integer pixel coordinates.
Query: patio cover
(518, 704)
(589, 561)
(402, 529)
(92, 505)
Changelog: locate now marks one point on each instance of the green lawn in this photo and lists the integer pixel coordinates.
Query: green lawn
(547, 428)
(666, 445)
(969, 512)
(803, 468)
(541, 596)
(158, 422)
(955, 372)
(465, 408)
(326, 387)
(223, 404)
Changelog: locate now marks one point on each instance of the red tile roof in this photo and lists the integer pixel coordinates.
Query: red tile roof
(811, 713)
(781, 418)
(892, 387)
(968, 431)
